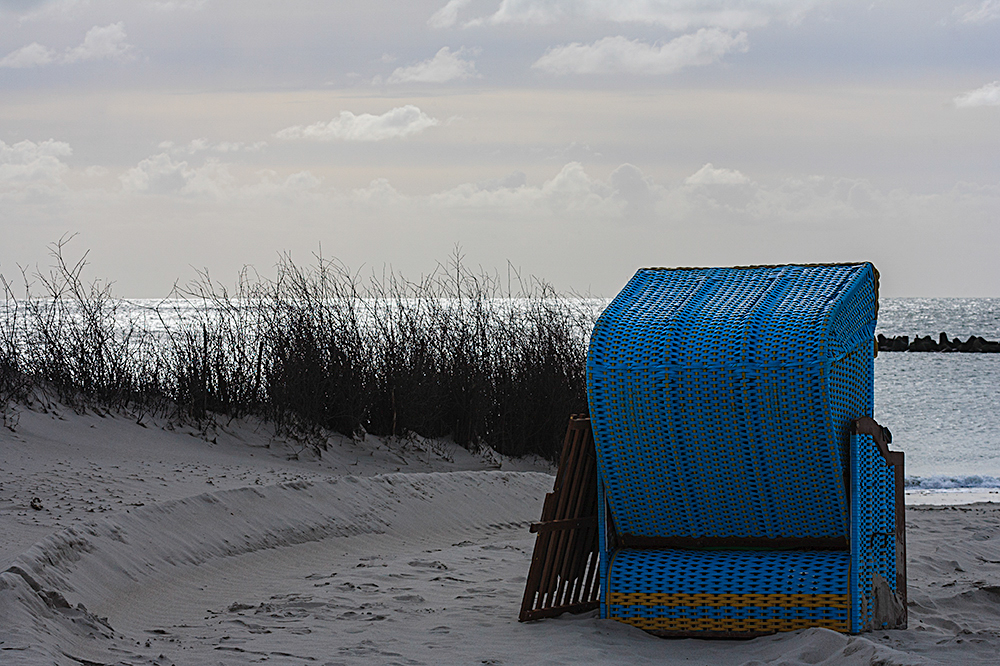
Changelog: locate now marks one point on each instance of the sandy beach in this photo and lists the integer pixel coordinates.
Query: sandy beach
(157, 543)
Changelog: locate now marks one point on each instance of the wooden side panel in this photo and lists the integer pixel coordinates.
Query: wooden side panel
(564, 566)
(896, 459)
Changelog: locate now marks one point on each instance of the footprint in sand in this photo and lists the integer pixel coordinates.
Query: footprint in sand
(428, 565)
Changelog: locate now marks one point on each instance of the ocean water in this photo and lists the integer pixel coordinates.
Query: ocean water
(960, 317)
(943, 409)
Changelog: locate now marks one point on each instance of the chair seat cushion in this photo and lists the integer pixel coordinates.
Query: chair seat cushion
(729, 591)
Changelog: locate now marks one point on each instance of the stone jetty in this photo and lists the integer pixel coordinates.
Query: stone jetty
(974, 344)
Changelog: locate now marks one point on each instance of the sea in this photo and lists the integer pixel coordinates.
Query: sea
(943, 408)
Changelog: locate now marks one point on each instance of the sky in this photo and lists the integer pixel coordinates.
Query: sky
(574, 141)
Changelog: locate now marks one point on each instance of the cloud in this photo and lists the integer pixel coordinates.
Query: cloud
(729, 196)
(618, 54)
(571, 191)
(158, 173)
(100, 43)
(717, 190)
(709, 175)
(720, 198)
(672, 14)
(989, 10)
(30, 162)
(161, 174)
(201, 145)
(637, 191)
(293, 188)
(397, 123)
(447, 16)
(444, 66)
(32, 55)
(988, 95)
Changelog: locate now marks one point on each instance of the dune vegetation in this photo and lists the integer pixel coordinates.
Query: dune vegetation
(313, 350)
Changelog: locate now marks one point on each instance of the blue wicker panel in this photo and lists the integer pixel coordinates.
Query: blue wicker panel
(711, 400)
(851, 388)
(790, 407)
(729, 571)
(873, 528)
(730, 591)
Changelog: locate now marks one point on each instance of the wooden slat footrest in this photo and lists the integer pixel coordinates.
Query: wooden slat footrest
(553, 612)
(563, 577)
(564, 524)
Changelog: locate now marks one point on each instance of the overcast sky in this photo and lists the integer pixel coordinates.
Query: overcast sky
(577, 140)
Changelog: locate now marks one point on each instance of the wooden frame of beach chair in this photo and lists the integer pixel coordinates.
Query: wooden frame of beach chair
(743, 487)
(565, 562)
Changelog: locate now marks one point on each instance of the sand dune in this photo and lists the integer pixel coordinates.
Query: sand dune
(154, 546)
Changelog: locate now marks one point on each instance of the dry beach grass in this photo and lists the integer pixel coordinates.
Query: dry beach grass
(314, 350)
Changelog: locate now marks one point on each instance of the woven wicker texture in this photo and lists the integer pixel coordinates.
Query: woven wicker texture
(720, 399)
(729, 591)
(873, 530)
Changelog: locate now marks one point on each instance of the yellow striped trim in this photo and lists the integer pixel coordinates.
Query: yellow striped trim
(731, 625)
(841, 601)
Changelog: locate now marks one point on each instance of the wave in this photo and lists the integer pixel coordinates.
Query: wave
(972, 481)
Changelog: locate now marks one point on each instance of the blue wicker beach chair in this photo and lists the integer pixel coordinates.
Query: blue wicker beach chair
(743, 486)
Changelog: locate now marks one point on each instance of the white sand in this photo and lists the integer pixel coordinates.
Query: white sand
(185, 551)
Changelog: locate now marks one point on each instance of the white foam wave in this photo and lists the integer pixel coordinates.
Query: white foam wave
(951, 482)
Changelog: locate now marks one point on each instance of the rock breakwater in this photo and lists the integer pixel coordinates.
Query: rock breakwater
(974, 344)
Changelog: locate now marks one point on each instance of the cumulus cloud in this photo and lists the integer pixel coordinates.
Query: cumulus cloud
(294, 187)
(988, 95)
(100, 43)
(161, 174)
(710, 195)
(722, 189)
(32, 55)
(31, 162)
(672, 14)
(637, 191)
(202, 145)
(989, 10)
(728, 195)
(447, 16)
(443, 67)
(571, 191)
(618, 54)
(709, 175)
(396, 123)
